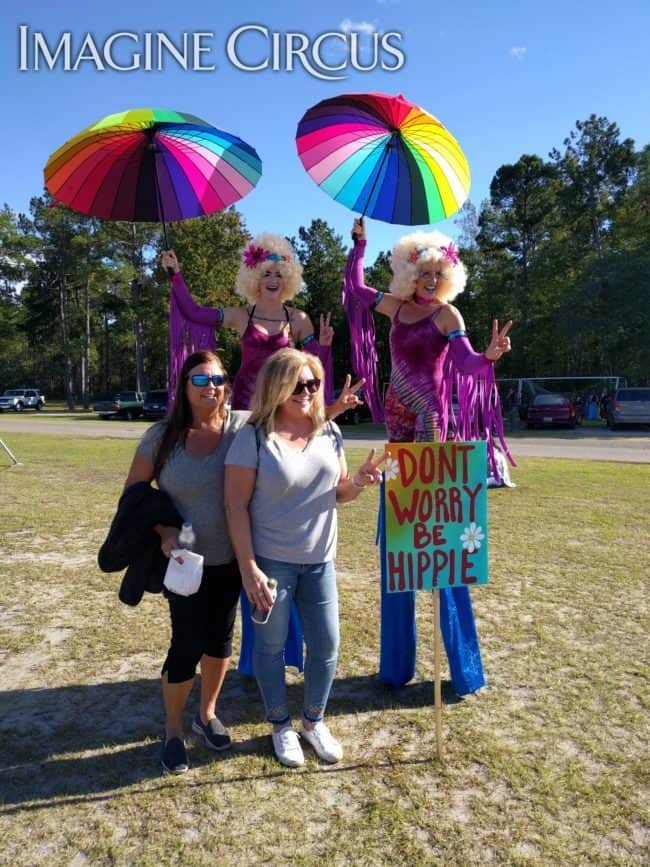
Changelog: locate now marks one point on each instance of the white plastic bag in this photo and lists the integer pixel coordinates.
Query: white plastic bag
(184, 578)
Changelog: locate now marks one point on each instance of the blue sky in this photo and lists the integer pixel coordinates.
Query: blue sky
(506, 78)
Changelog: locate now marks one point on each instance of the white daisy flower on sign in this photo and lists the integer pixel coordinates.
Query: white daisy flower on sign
(391, 469)
(472, 537)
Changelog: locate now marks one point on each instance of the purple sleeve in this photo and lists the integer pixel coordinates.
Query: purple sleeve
(189, 309)
(358, 301)
(324, 353)
(354, 280)
(465, 358)
(191, 327)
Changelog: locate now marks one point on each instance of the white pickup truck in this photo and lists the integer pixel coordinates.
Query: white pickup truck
(19, 399)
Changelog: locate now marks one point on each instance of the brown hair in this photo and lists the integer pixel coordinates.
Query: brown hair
(180, 419)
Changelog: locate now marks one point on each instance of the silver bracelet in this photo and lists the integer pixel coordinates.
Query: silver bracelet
(356, 484)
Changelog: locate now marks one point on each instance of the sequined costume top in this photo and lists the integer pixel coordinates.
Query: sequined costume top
(256, 347)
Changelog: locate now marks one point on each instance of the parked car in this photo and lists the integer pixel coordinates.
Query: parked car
(19, 399)
(629, 406)
(127, 405)
(356, 414)
(551, 410)
(155, 404)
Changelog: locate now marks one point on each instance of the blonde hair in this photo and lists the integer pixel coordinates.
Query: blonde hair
(255, 260)
(426, 248)
(276, 382)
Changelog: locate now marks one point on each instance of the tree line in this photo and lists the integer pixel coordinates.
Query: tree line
(561, 246)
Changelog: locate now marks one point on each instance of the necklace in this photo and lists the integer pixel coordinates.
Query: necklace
(267, 318)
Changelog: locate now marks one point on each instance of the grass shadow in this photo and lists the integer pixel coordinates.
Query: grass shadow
(82, 740)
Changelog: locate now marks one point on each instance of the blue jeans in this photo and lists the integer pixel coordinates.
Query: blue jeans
(313, 587)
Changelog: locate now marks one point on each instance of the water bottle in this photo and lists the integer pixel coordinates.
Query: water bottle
(186, 537)
(259, 616)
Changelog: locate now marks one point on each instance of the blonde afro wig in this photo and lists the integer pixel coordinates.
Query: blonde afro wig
(264, 252)
(414, 253)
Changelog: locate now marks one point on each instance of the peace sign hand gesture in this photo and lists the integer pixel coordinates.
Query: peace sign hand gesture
(347, 399)
(326, 332)
(500, 342)
(369, 472)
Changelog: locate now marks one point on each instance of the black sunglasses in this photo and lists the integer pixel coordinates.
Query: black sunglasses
(312, 386)
(202, 379)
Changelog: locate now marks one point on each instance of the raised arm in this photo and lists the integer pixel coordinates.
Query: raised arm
(231, 317)
(355, 289)
(359, 301)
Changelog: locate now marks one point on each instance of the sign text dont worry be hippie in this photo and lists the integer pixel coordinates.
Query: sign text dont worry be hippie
(436, 515)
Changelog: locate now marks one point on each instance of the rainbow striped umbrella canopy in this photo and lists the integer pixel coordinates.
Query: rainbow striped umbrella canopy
(151, 164)
(384, 157)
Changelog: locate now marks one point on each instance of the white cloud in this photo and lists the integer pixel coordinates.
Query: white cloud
(349, 26)
(518, 52)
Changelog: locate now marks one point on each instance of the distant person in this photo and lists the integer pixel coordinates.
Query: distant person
(511, 406)
(592, 408)
(185, 454)
(285, 474)
(604, 404)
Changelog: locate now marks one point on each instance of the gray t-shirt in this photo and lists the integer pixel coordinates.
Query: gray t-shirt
(293, 507)
(195, 486)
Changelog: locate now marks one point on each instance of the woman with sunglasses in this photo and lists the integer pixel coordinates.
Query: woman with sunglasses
(185, 453)
(285, 474)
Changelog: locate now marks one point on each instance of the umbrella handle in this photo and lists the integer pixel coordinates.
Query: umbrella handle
(159, 197)
(384, 157)
(355, 235)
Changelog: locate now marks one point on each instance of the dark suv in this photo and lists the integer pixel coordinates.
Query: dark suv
(155, 404)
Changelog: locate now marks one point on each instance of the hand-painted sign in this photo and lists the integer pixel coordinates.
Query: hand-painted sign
(435, 502)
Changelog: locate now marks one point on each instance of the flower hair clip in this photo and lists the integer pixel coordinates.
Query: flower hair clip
(451, 254)
(415, 254)
(254, 256)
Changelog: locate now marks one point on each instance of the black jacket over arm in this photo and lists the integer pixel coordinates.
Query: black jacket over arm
(132, 542)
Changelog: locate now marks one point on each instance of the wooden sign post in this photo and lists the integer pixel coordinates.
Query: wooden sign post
(437, 661)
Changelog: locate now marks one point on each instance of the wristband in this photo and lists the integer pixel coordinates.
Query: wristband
(356, 484)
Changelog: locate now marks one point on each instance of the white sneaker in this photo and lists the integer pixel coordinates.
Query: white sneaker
(286, 744)
(323, 742)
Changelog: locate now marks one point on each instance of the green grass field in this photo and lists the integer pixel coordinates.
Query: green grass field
(547, 765)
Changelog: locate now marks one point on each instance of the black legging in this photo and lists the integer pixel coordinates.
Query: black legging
(202, 623)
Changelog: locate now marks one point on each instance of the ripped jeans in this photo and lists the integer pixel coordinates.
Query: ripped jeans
(313, 586)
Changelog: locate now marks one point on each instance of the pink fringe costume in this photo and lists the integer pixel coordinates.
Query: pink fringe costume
(428, 367)
(191, 328)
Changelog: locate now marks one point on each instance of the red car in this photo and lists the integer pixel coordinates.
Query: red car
(551, 410)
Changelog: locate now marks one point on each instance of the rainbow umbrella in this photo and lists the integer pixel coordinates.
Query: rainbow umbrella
(385, 157)
(150, 164)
